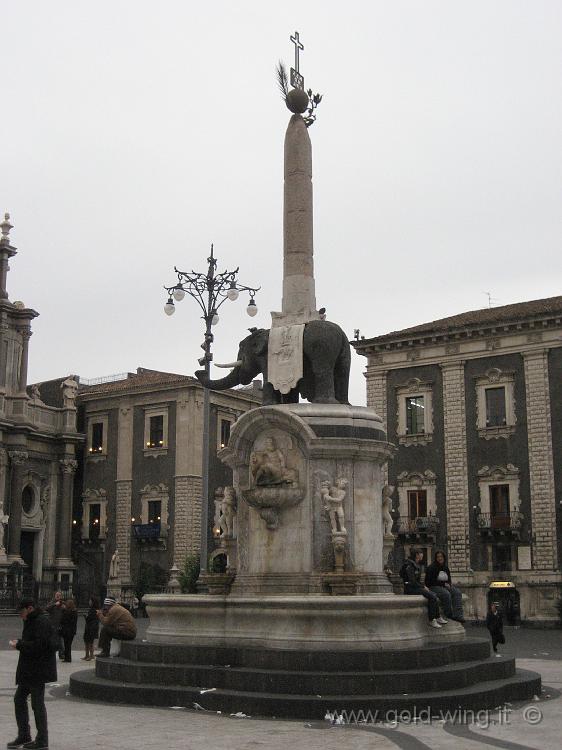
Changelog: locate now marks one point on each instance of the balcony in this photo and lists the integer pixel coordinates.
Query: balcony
(422, 528)
(147, 532)
(501, 524)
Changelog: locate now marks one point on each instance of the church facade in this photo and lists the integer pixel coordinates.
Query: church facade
(474, 405)
(38, 456)
(95, 471)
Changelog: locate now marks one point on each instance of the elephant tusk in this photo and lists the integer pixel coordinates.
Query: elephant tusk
(230, 364)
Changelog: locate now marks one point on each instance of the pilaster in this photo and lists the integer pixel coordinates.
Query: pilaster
(18, 458)
(541, 470)
(3, 515)
(456, 470)
(188, 482)
(68, 467)
(124, 492)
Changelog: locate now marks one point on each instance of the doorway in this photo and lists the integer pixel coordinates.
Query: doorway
(27, 551)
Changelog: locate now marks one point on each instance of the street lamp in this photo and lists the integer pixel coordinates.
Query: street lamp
(210, 290)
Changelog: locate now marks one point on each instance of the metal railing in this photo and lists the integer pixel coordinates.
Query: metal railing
(419, 525)
(500, 521)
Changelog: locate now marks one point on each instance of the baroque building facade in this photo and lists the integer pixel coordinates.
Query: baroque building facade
(474, 405)
(38, 448)
(139, 485)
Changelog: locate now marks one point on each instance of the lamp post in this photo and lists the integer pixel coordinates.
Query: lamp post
(210, 290)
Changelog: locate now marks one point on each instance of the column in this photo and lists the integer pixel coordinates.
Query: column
(541, 470)
(64, 531)
(17, 460)
(188, 481)
(377, 400)
(3, 514)
(124, 492)
(25, 335)
(456, 471)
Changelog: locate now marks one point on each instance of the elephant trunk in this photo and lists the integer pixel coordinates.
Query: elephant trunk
(229, 381)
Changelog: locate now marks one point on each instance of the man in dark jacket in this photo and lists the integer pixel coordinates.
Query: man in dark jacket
(37, 665)
(438, 580)
(55, 610)
(411, 575)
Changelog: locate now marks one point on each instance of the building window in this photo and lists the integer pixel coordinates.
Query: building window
(156, 431)
(495, 404)
(417, 504)
(495, 407)
(154, 509)
(94, 521)
(97, 436)
(415, 412)
(94, 515)
(154, 512)
(28, 500)
(225, 432)
(499, 505)
(225, 420)
(415, 424)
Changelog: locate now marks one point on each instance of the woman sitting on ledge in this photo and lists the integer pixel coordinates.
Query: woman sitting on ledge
(410, 573)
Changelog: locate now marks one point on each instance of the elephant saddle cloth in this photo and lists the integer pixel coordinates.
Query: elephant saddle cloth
(285, 357)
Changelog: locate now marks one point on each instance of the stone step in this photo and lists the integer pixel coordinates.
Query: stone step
(431, 655)
(484, 695)
(428, 680)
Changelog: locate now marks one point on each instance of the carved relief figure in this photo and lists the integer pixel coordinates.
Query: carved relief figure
(268, 466)
(69, 391)
(36, 394)
(387, 520)
(333, 498)
(114, 565)
(219, 494)
(227, 512)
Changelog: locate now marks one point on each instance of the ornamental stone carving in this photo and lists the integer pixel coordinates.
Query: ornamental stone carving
(333, 497)
(227, 513)
(274, 478)
(387, 520)
(69, 392)
(68, 465)
(18, 458)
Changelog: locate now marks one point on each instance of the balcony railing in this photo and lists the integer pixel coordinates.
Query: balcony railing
(146, 531)
(501, 522)
(422, 525)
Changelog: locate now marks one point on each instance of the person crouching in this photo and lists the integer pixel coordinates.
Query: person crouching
(116, 622)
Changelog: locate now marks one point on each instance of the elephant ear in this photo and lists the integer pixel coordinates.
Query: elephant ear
(259, 342)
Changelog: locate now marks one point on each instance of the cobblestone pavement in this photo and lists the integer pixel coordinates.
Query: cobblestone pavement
(75, 723)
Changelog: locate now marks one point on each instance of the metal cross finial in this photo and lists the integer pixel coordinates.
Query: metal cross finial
(298, 46)
(297, 80)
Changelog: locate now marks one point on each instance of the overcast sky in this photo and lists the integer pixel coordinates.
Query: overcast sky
(136, 133)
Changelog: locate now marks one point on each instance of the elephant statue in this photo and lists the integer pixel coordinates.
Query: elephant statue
(326, 364)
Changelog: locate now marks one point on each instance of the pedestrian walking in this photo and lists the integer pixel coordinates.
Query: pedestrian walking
(37, 665)
(68, 625)
(494, 623)
(91, 629)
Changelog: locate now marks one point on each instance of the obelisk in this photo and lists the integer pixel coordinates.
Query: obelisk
(299, 297)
